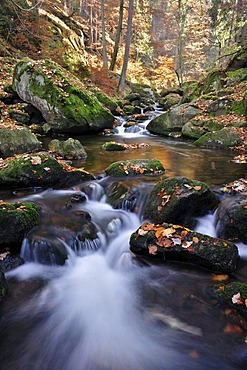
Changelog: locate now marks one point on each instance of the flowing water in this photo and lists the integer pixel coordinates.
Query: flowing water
(105, 309)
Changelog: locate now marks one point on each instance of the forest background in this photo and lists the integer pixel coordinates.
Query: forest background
(156, 42)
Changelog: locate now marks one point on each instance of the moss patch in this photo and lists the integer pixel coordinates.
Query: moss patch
(135, 167)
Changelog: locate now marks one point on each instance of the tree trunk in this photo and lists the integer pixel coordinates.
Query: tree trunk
(118, 34)
(105, 61)
(127, 47)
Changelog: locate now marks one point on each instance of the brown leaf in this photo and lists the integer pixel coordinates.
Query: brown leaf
(152, 249)
(220, 277)
(195, 239)
(197, 188)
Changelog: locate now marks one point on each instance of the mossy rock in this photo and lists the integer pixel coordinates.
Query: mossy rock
(68, 149)
(39, 170)
(106, 101)
(116, 193)
(196, 128)
(60, 97)
(3, 284)
(19, 116)
(236, 76)
(179, 200)
(231, 218)
(16, 220)
(172, 120)
(213, 82)
(170, 100)
(135, 167)
(17, 141)
(233, 294)
(167, 241)
(223, 138)
(113, 146)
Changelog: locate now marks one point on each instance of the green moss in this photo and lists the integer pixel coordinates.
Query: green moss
(239, 107)
(112, 145)
(227, 291)
(135, 167)
(238, 75)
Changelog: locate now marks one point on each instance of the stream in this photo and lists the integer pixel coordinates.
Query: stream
(106, 309)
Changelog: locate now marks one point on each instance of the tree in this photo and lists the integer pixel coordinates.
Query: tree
(118, 34)
(127, 46)
(105, 60)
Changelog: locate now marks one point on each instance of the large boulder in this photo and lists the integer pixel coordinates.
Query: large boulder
(198, 127)
(174, 242)
(179, 200)
(16, 221)
(224, 138)
(60, 97)
(231, 218)
(41, 170)
(135, 167)
(17, 141)
(173, 120)
(68, 149)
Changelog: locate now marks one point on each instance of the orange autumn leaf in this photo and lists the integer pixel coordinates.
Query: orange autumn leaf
(220, 277)
(195, 239)
(197, 188)
(184, 233)
(165, 242)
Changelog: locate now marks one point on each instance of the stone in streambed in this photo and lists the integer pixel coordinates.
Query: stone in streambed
(135, 167)
(68, 149)
(179, 200)
(177, 243)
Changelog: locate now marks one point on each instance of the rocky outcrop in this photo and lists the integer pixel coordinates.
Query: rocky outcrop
(68, 149)
(17, 141)
(39, 170)
(16, 219)
(179, 200)
(173, 242)
(135, 167)
(231, 218)
(60, 97)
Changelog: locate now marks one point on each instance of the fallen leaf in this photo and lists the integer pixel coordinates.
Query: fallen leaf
(184, 233)
(186, 244)
(220, 277)
(195, 239)
(47, 169)
(142, 232)
(236, 299)
(197, 188)
(36, 160)
(152, 249)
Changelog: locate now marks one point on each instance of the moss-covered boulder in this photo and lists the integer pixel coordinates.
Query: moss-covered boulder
(60, 97)
(198, 127)
(39, 170)
(3, 284)
(17, 141)
(173, 120)
(231, 218)
(68, 149)
(174, 242)
(233, 294)
(16, 219)
(107, 101)
(224, 138)
(113, 146)
(135, 167)
(170, 100)
(179, 200)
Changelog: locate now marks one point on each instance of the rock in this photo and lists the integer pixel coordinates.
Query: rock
(113, 146)
(176, 243)
(220, 106)
(17, 141)
(135, 167)
(179, 200)
(195, 128)
(56, 237)
(231, 218)
(239, 60)
(40, 170)
(121, 196)
(10, 261)
(16, 220)
(223, 138)
(3, 284)
(69, 149)
(106, 101)
(233, 294)
(173, 120)
(60, 97)
(170, 100)
(19, 116)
